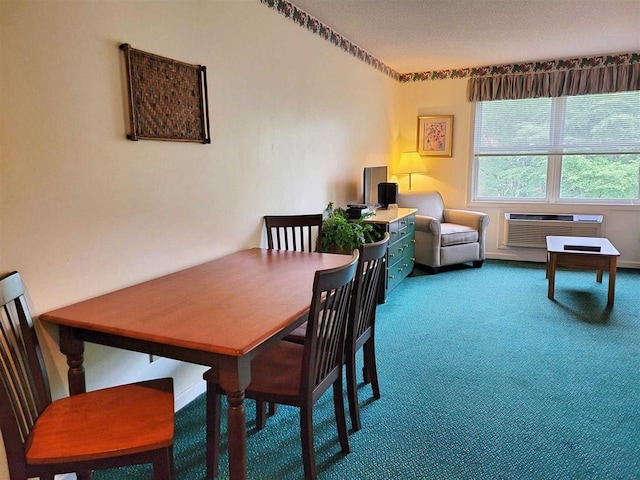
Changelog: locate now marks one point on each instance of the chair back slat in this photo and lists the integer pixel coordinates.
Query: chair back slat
(326, 327)
(363, 307)
(25, 390)
(293, 232)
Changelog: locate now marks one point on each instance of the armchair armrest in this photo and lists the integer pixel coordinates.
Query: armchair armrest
(426, 224)
(477, 220)
(427, 246)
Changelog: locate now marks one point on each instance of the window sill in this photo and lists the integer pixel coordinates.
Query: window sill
(551, 205)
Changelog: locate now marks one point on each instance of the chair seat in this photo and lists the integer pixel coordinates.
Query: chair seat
(298, 335)
(454, 234)
(124, 420)
(275, 373)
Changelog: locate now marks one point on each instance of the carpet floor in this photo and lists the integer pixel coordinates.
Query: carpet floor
(482, 377)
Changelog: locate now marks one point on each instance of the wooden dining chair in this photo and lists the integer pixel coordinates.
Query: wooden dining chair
(299, 233)
(362, 320)
(293, 374)
(124, 425)
(293, 232)
(361, 329)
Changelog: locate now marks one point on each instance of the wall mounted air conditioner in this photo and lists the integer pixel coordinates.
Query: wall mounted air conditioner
(530, 229)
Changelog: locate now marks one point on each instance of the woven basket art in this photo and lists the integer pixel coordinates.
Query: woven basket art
(167, 98)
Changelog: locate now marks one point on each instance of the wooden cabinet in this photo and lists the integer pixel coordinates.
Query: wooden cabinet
(401, 225)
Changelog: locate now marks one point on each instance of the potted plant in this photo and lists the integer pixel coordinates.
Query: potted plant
(340, 234)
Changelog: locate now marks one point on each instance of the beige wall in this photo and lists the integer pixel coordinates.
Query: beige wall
(440, 97)
(451, 175)
(85, 211)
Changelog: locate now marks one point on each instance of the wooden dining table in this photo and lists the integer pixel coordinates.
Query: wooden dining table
(219, 314)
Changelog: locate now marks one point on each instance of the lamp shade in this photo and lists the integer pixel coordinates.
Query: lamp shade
(411, 162)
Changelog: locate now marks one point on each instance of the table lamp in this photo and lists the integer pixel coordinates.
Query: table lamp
(411, 162)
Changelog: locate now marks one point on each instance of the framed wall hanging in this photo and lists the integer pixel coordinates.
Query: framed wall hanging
(435, 135)
(167, 98)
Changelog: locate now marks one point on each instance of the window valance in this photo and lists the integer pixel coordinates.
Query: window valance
(620, 73)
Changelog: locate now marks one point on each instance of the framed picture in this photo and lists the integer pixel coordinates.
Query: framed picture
(435, 135)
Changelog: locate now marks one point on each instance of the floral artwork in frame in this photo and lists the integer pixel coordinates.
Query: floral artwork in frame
(435, 135)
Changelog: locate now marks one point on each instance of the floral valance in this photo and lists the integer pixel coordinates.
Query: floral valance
(605, 74)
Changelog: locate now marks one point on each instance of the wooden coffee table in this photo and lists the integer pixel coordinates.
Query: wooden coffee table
(587, 253)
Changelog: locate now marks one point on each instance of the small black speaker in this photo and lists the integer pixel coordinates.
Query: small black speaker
(387, 193)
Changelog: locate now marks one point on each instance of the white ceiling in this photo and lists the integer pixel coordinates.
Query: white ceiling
(423, 35)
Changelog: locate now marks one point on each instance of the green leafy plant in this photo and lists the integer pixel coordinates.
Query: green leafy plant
(343, 235)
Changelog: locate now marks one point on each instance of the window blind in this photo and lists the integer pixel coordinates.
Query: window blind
(583, 124)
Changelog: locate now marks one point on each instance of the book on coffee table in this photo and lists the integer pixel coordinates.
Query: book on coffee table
(583, 248)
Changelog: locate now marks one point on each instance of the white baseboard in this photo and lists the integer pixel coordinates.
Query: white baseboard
(190, 394)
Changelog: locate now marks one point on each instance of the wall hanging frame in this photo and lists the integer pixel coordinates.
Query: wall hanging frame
(167, 98)
(435, 135)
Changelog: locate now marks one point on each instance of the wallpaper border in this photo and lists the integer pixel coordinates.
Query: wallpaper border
(316, 27)
(527, 67)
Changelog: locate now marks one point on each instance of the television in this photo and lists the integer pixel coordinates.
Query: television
(372, 176)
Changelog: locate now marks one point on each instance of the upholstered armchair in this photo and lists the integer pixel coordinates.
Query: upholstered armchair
(445, 236)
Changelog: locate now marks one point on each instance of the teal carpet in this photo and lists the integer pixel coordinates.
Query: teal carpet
(482, 377)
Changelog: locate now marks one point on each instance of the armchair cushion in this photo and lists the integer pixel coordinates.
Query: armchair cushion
(453, 234)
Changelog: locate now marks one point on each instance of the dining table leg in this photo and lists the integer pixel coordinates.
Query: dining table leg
(73, 349)
(236, 432)
(235, 376)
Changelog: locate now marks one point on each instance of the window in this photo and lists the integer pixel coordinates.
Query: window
(566, 149)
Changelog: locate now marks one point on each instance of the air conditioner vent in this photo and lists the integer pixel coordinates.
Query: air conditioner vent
(530, 229)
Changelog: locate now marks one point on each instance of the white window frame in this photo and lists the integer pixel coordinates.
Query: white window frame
(554, 169)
